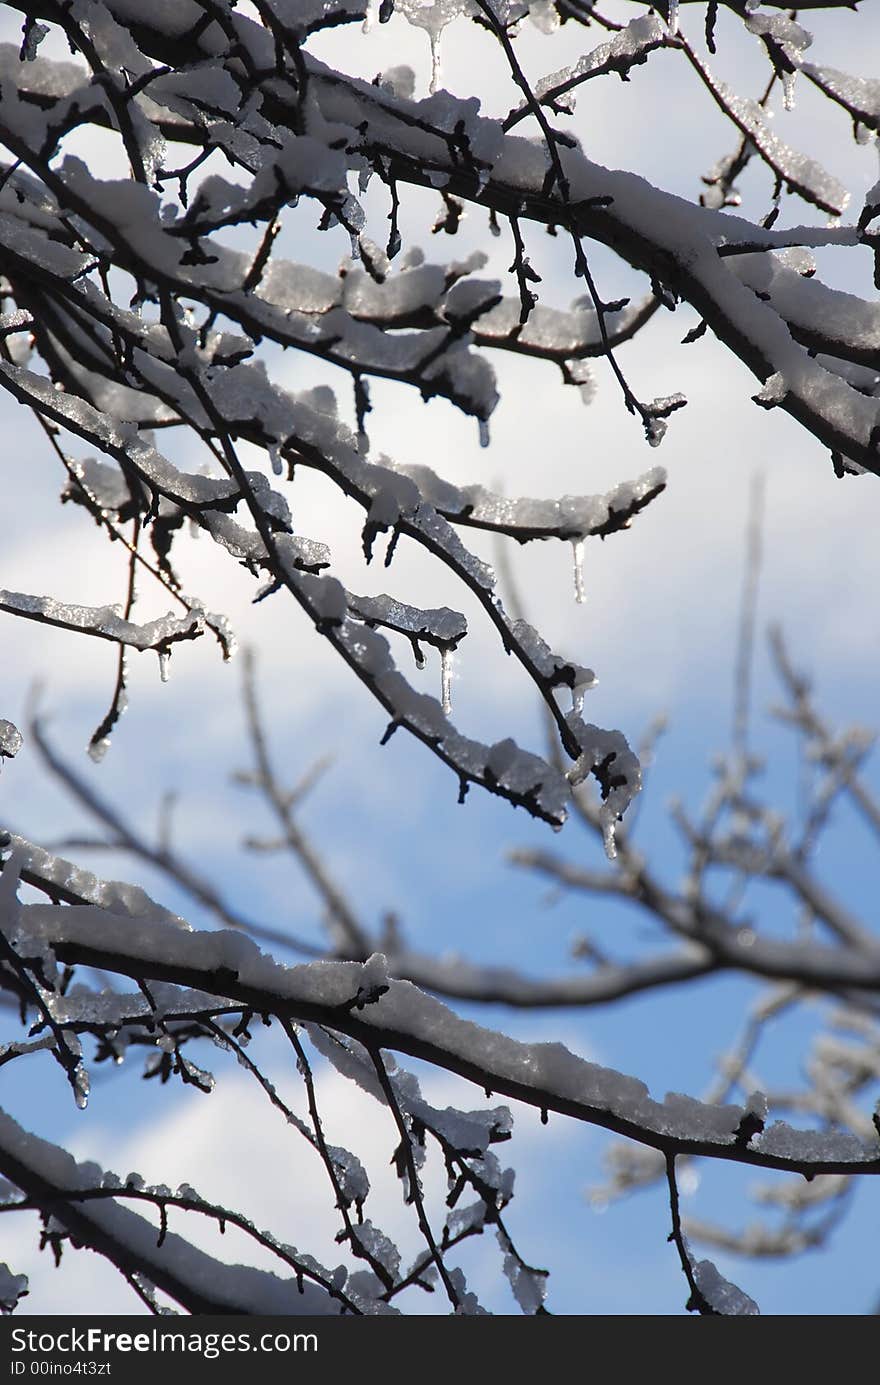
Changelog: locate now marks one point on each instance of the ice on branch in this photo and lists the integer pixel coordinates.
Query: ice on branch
(529, 1286)
(10, 740)
(441, 626)
(785, 41)
(63, 880)
(859, 95)
(13, 1288)
(723, 1297)
(105, 622)
(624, 50)
(569, 517)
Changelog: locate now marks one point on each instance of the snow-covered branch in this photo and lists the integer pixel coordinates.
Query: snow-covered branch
(361, 1001)
(89, 1206)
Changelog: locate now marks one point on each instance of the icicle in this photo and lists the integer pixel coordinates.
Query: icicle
(788, 90)
(164, 658)
(484, 432)
(393, 536)
(435, 60)
(275, 458)
(446, 680)
(577, 548)
(608, 841)
(81, 1088)
(98, 749)
(673, 16)
(577, 700)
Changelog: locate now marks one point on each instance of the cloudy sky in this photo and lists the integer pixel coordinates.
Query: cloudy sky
(658, 627)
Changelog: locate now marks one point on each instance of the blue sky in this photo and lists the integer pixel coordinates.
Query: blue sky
(659, 628)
